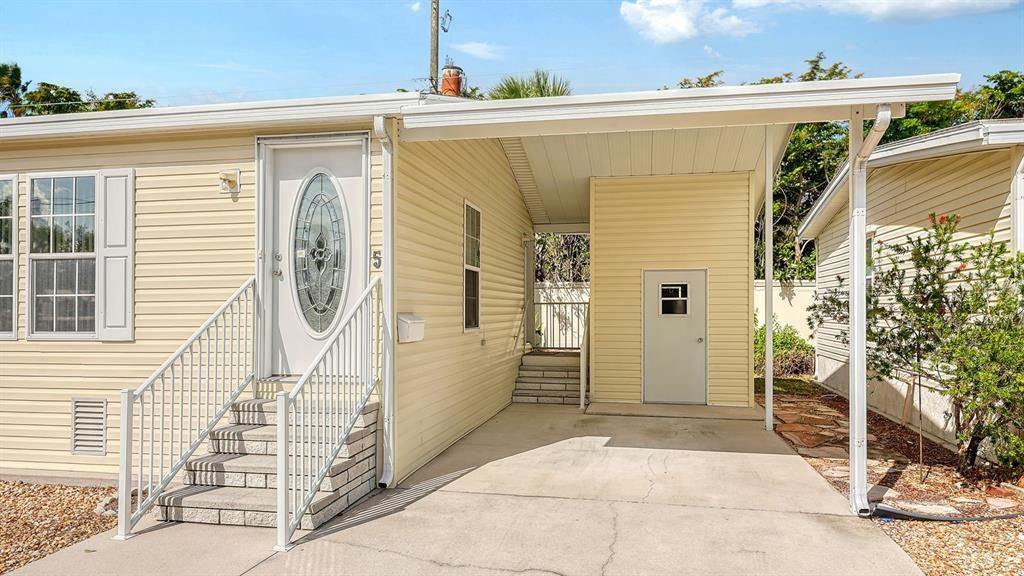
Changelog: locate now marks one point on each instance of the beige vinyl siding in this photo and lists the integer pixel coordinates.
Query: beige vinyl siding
(699, 221)
(454, 380)
(193, 247)
(900, 197)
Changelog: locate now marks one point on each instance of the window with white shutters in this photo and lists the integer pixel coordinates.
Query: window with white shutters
(80, 255)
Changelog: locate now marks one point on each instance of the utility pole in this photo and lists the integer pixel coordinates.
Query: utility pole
(435, 9)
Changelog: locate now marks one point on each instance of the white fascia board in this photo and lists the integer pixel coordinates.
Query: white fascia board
(208, 117)
(722, 106)
(970, 137)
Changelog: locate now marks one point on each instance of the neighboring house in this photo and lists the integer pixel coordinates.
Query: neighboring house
(326, 222)
(974, 170)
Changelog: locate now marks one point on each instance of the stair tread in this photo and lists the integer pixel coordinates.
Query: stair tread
(229, 498)
(268, 432)
(269, 405)
(253, 463)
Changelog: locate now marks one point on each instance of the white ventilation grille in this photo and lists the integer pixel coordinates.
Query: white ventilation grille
(89, 426)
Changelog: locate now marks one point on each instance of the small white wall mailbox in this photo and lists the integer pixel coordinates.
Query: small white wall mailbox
(410, 327)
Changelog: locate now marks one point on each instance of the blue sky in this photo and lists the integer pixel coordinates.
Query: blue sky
(191, 52)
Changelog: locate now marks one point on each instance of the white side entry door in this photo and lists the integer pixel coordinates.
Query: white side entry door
(675, 336)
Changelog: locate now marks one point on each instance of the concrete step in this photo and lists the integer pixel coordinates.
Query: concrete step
(254, 506)
(262, 439)
(552, 360)
(264, 411)
(532, 386)
(530, 372)
(519, 399)
(550, 393)
(547, 380)
(260, 471)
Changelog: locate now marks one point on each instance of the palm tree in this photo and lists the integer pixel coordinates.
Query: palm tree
(537, 85)
(12, 89)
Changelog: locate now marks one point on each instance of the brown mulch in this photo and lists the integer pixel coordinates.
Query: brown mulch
(816, 425)
(38, 519)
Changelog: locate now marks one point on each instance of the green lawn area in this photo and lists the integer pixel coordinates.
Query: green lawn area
(796, 385)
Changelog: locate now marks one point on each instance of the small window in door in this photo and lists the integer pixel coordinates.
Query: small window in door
(675, 299)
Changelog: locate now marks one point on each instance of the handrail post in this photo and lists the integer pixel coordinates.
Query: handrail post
(585, 358)
(124, 475)
(283, 537)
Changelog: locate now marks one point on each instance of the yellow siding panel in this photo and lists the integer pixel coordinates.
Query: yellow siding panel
(453, 380)
(699, 221)
(193, 247)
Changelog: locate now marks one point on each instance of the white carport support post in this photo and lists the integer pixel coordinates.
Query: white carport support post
(769, 279)
(860, 151)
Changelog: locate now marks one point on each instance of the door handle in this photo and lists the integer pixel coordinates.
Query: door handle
(700, 340)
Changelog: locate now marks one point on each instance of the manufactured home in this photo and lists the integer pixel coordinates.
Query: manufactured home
(974, 170)
(224, 296)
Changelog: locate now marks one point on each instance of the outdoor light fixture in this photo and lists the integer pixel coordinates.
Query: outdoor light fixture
(229, 181)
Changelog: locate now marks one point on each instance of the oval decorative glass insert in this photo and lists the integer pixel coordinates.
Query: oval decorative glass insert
(320, 253)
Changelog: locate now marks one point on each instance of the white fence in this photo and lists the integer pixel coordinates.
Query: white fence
(789, 303)
(560, 312)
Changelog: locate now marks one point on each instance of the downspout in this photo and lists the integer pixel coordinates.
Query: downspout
(861, 148)
(381, 132)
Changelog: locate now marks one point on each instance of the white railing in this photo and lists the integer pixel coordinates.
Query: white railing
(585, 360)
(314, 419)
(560, 325)
(165, 419)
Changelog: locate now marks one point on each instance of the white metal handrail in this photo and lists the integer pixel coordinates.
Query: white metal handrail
(560, 324)
(169, 416)
(316, 416)
(585, 360)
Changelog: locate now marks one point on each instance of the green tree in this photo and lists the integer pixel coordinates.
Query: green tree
(117, 101)
(537, 85)
(815, 152)
(952, 314)
(49, 98)
(12, 89)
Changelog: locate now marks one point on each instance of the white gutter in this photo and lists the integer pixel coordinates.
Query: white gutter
(660, 110)
(235, 115)
(860, 150)
(382, 131)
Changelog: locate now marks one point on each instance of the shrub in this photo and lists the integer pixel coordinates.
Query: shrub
(951, 313)
(794, 356)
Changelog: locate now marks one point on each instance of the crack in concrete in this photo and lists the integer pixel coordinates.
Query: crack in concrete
(442, 564)
(650, 478)
(615, 539)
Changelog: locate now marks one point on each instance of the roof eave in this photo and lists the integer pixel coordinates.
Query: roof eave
(698, 107)
(970, 137)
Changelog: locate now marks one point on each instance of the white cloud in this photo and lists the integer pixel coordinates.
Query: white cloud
(666, 21)
(480, 50)
(711, 52)
(415, 7)
(879, 9)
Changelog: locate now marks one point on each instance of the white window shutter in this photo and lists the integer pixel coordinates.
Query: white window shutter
(115, 255)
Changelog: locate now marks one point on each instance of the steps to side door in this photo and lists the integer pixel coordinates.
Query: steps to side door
(548, 378)
(235, 483)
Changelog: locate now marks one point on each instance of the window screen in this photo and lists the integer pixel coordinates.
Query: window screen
(471, 268)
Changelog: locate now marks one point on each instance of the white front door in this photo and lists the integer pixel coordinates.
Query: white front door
(316, 240)
(675, 336)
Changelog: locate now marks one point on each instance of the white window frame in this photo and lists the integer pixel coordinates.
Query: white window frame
(869, 256)
(29, 258)
(465, 266)
(662, 298)
(13, 256)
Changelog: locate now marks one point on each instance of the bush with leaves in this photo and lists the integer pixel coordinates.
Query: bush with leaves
(793, 356)
(951, 313)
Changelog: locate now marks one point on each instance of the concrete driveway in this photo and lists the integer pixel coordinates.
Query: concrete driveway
(547, 490)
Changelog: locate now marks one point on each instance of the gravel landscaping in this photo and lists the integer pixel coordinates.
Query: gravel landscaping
(40, 519)
(814, 421)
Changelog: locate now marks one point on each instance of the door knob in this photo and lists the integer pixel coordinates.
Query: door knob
(700, 340)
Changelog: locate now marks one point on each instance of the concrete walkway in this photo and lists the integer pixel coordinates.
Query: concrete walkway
(547, 490)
